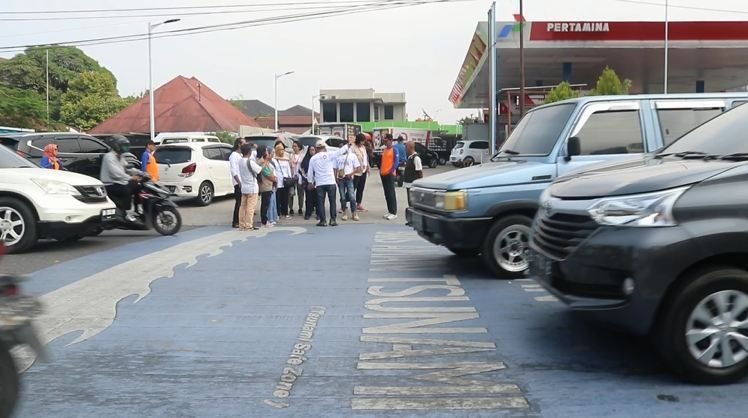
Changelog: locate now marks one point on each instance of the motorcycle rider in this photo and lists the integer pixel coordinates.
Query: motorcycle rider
(120, 182)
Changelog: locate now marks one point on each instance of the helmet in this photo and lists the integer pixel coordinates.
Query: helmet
(120, 144)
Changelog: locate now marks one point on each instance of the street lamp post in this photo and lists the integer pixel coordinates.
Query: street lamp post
(275, 95)
(667, 35)
(152, 111)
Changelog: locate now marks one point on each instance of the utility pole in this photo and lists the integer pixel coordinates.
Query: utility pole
(47, 51)
(667, 35)
(521, 61)
(492, 75)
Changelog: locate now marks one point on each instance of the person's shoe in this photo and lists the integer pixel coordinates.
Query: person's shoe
(360, 208)
(340, 210)
(291, 213)
(344, 217)
(387, 215)
(356, 218)
(306, 218)
(321, 223)
(268, 225)
(391, 217)
(235, 225)
(333, 223)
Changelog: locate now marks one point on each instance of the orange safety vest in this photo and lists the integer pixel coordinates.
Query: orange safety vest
(388, 159)
(152, 167)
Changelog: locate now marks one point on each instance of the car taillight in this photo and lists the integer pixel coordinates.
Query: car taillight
(10, 290)
(189, 170)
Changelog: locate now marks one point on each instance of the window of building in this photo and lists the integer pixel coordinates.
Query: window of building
(376, 113)
(329, 112)
(389, 112)
(617, 132)
(346, 112)
(363, 112)
(676, 122)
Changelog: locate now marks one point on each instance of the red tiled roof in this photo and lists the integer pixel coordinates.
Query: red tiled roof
(182, 105)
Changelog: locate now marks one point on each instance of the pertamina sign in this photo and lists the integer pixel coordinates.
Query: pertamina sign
(577, 27)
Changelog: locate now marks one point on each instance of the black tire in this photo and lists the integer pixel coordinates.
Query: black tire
(504, 229)
(19, 211)
(71, 238)
(468, 162)
(669, 333)
(442, 161)
(96, 232)
(9, 382)
(164, 227)
(205, 193)
(464, 252)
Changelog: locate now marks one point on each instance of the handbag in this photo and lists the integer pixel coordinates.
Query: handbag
(287, 181)
(341, 171)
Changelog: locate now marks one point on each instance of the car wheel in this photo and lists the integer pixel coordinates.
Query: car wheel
(506, 250)
(17, 225)
(71, 238)
(9, 385)
(468, 161)
(205, 194)
(167, 221)
(456, 164)
(702, 330)
(442, 161)
(464, 252)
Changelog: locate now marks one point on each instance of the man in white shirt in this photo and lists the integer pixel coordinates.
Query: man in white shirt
(248, 171)
(347, 165)
(235, 159)
(322, 174)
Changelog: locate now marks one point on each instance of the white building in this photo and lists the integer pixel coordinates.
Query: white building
(354, 105)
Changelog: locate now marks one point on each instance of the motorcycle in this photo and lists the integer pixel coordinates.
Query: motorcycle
(156, 211)
(17, 311)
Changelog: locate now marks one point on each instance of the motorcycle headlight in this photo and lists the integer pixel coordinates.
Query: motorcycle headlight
(452, 201)
(644, 210)
(56, 187)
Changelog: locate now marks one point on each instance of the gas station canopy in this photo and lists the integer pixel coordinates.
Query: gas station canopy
(702, 56)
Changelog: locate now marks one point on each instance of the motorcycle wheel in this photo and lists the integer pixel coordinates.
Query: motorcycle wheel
(167, 221)
(9, 382)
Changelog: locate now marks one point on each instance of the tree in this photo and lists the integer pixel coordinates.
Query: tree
(469, 120)
(226, 137)
(21, 108)
(562, 91)
(610, 84)
(91, 98)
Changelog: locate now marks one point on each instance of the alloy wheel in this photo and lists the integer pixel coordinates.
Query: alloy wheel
(512, 249)
(206, 194)
(12, 227)
(717, 330)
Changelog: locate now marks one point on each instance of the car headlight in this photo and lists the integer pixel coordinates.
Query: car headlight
(644, 210)
(56, 187)
(452, 201)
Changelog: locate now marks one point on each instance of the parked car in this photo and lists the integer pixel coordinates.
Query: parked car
(488, 209)
(269, 140)
(428, 158)
(658, 247)
(442, 147)
(195, 170)
(37, 203)
(468, 153)
(79, 153)
(138, 142)
(333, 142)
(165, 138)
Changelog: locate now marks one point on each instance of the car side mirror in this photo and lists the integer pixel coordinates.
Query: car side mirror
(573, 147)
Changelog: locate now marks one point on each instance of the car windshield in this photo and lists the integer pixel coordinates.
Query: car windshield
(723, 135)
(173, 155)
(309, 141)
(9, 159)
(537, 133)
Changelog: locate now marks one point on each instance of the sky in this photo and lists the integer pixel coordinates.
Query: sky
(417, 50)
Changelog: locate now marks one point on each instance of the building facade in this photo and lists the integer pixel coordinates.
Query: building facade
(354, 105)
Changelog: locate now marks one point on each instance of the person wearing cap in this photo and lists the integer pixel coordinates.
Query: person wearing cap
(322, 174)
(148, 161)
(387, 168)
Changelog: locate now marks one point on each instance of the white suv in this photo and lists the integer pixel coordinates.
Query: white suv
(467, 153)
(39, 203)
(195, 170)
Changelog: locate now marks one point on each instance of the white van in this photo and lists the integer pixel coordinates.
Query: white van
(165, 138)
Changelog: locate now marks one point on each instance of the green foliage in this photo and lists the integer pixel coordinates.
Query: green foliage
(610, 84)
(469, 120)
(21, 108)
(561, 92)
(91, 98)
(226, 137)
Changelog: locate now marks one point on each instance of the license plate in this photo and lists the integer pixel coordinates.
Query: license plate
(108, 213)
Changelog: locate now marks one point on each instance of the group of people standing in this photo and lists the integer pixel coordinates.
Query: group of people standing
(276, 178)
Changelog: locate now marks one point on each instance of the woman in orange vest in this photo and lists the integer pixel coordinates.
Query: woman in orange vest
(49, 159)
(148, 161)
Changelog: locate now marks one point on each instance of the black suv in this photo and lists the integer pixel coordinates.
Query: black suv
(79, 153)
(659, 246)
(429, 158)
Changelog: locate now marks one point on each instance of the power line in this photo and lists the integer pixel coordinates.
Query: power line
(680, 6)
(382, 5)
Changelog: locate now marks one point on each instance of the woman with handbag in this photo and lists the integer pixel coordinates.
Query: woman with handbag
(266, 184)
(310, 192)
(298, 189)
(359, 180)
(282, 168)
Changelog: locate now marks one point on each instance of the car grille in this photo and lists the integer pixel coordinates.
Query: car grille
(560, 234)
(91, 194)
